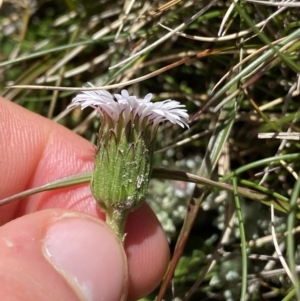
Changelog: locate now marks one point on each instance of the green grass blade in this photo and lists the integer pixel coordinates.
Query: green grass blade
(243, 238)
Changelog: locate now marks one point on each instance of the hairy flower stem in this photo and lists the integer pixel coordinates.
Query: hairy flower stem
(117, 221)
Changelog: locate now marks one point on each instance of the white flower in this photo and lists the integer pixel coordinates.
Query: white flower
(125, 148)
(130, 106)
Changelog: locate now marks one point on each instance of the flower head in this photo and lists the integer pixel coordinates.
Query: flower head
(128, 107)
(125, 148)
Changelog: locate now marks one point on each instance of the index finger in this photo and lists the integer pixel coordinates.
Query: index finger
(35, 151)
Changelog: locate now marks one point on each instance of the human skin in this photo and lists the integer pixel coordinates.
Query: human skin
(55, 245)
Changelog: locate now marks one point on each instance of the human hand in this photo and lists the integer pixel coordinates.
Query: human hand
(65, 252)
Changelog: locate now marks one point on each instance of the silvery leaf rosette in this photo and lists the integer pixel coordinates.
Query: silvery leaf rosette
(125, 148)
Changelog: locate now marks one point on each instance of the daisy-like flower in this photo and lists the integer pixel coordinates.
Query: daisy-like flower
(125, 148)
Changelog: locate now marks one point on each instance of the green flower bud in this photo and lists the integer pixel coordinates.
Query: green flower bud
(122, 168)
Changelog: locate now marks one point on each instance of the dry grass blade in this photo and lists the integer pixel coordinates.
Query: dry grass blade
(278, 251)
(160, 9)
(281, 136)
(269, 3)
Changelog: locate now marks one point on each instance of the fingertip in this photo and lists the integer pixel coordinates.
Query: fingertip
(89, 256)
(74, 253)
(147, 252)
(36, 151)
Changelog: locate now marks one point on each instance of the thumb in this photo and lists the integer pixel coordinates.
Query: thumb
(61, 255)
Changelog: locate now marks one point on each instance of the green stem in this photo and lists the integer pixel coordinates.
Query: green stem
(117, 221)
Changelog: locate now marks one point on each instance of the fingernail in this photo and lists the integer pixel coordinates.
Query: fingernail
(89, 256)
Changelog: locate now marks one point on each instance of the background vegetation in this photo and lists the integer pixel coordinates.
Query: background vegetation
(235, 65)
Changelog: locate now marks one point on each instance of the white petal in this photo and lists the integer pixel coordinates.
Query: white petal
(148, 97)
(129, 105)
(125, 93)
